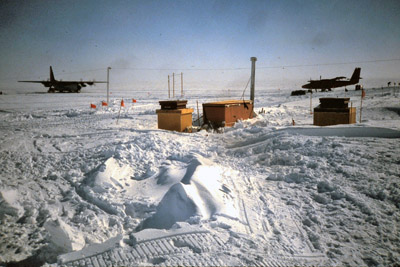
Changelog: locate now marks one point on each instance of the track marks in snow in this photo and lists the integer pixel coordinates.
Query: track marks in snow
(188, 248)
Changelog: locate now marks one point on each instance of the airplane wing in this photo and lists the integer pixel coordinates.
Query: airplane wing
(45, 83)
(87, 82)
(339, 78)
(31, 81)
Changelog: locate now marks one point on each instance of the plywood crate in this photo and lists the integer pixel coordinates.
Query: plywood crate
(227, 113)
(333, 111)
(174, 119)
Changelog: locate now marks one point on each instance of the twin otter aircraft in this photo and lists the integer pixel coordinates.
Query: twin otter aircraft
(328, 84)
(63, 86)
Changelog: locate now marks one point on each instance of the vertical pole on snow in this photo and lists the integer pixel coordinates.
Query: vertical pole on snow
(108, 84)
(169, 89)
(181, 85)
(362, 96)
(173, 84)
(198, 113)
(253, 76)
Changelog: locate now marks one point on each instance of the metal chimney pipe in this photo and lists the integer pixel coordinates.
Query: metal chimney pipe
(253, 77)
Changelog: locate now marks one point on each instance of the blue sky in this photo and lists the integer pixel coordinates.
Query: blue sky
(144, 41)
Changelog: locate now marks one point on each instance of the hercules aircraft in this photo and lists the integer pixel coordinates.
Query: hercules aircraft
(328, 84)
(62, 86)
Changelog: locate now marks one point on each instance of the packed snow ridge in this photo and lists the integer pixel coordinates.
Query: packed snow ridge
(77, 188)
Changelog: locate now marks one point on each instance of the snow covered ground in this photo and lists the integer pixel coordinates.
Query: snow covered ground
(78, 188)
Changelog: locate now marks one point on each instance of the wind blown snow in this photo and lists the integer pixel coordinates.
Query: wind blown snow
(76, 185)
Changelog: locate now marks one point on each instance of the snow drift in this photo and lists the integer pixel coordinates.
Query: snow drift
(199, 193)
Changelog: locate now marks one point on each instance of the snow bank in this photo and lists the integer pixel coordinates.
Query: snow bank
(350, 131)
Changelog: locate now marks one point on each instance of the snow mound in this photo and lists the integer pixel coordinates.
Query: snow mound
(64, 236)
(199, 193)
(9, 204)
(107, 180)
(109, 176)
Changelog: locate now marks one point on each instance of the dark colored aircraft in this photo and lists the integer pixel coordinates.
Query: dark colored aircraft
(328, 84)
(62, 86)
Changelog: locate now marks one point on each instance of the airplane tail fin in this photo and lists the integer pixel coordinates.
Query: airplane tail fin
(355, 78)
(52, 79)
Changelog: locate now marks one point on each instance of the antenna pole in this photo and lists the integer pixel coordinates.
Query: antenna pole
(181, 84)
(169, 89)
(173, 84)
(253, 76)
(108, 84)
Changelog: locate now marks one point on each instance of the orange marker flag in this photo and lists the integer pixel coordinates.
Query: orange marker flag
(133, 100)
(362, 93)
(122, 103)
(104, 104)
(92, 106)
